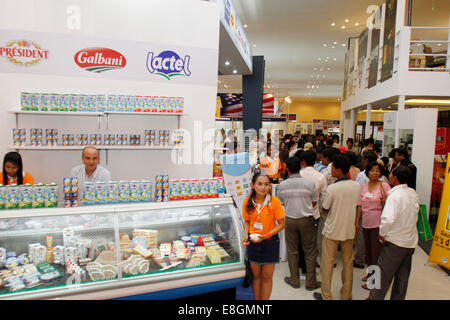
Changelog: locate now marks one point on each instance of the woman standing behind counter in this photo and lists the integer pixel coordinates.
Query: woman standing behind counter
(13, 172)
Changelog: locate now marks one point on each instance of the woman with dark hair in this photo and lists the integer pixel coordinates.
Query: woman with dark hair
(370, 206)
(354, 170)
(264, 219)
(13, 170)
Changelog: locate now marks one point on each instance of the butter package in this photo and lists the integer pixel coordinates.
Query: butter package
(135, 191)
(52, 195)
(26, 196)
(121, 102)
(124, 191)
(130, 103)
(113, 192)
(92, 103)
(55, 101)
(3, 196)
(65, 102)
(58, 255)
(13, 192)
(89, 193)
(101, 189)
(35, 97)
(146, 186)
(44, 102)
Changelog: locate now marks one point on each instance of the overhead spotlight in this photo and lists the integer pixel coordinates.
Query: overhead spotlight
(333, 24)
(346, 20)
(344, 45)
(324, 44)
(227, 63)
(335, 42)
(234, 71)
(342, 27)
(357, 24)
(245, 26)
(333, 47)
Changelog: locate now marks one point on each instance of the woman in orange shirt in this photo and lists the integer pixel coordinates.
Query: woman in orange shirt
(264, 218)
(13, 170)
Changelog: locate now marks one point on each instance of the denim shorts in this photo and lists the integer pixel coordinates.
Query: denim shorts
(265, 252)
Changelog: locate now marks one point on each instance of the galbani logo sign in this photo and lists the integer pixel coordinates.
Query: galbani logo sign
(23, 52)
(168, 64)
(100, 59)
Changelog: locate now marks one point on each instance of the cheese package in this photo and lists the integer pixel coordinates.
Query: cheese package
(213, 255)
(165, 248)
(142, 251)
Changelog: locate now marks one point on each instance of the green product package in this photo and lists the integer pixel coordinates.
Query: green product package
(423, 226)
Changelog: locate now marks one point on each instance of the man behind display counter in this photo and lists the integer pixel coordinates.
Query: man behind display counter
(90, 170)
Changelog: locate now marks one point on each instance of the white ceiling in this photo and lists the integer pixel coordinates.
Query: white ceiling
(292, 34)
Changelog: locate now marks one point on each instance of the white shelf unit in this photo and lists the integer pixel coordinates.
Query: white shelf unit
(99, 115)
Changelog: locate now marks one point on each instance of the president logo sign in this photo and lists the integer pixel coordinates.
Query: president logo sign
(100, 59)
(168, 64)
(23, 52)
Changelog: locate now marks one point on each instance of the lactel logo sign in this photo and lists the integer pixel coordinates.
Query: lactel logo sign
(168, 64)
(100, 59)
(23, 52)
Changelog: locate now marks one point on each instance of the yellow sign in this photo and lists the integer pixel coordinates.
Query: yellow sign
(440, 251)
(218, 107)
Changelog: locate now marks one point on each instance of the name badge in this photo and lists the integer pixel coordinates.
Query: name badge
(258, 225)
(369, 195)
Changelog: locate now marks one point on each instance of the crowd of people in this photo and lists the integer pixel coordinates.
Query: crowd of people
(334, 198)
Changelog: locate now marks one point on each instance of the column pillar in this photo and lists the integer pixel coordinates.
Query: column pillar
(252, 95)
(368, 116)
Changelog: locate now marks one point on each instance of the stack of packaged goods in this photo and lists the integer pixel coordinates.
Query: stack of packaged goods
(186, 189)
(68, 139)
(82, 139)
(162, 190)
(19, 137)
(178, 138)
(28, 196)
(150, 137)
(164, 138)
(95, 139)
(51, 137)
(70, 186)
(36, 137)
(117, 192)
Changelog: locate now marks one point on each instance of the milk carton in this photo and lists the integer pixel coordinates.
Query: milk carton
(184, 189)
(45, 102)
(174, 189)
(113, 192)
(121, 103)
(130, 103)
(52, 195)
(39, 195)
(89, 193)
(83, 103)
(26, 196)
(146, 186)
(101, 102)
(124, 191)
(74, 102)
(25, 100)
(135, 191)
(111, 102)
(55, 102)
(3, 196)
(204, 187)
(13, 192)
(194, 189)
(101, 190)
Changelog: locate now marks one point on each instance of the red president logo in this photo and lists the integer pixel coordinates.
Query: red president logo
(23, 52)
(100, 59)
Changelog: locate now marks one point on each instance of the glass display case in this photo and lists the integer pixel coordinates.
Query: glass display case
(113, 251)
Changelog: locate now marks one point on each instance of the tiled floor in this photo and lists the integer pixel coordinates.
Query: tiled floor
(426, 282)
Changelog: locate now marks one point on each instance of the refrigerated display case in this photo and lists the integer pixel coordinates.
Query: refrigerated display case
(143, 251)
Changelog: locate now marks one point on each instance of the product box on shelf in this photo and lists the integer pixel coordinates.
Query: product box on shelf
(55, 102)
(89, 193)
(135, 191)
(36, 137)
(35, 97)
(101, 103)
(68, 139)
(82, 139)
(111, 103)
(174, 189)
(113, 192)
(124, 191)
(39, 195)
(3, 196)
(74, 102)
(19, 137)
(13, 192)
(26, 196)
(185, 191)
(146, 186)
(92, 103)
(121, 102)
(52, 195)
(130, 103)
(139, 104)
(65, 102)
(101, 189)
(148, 100)
(194, 189)
(95, 139)
(83, 102)
(45, 102)
(25, 101)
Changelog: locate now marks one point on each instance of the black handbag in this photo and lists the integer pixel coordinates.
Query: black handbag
(248, 279)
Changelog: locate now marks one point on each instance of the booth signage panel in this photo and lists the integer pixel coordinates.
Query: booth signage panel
(82, 56)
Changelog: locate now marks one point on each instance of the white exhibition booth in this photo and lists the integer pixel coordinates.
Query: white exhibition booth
(139, 31)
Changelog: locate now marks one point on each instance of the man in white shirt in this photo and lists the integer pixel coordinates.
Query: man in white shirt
(327, 156)
(299, 196)
(398, 232)
(308, 159)
(339, 205)
(90, 170)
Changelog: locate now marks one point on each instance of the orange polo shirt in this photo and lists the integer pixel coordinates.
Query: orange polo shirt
(271, 168)
(27, 178)
(268, 216)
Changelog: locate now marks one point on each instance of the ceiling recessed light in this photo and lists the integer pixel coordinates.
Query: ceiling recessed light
(343, 27)
(357, 24)
(234, 71)
(333, 24)
(335, 42)
(245, 26)
(344, 45)
(318, 59)
(324, 44)
(334, 59)
(346, 20)
(254, 46)
(227, 63)
(333, 47)
(439, 44)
